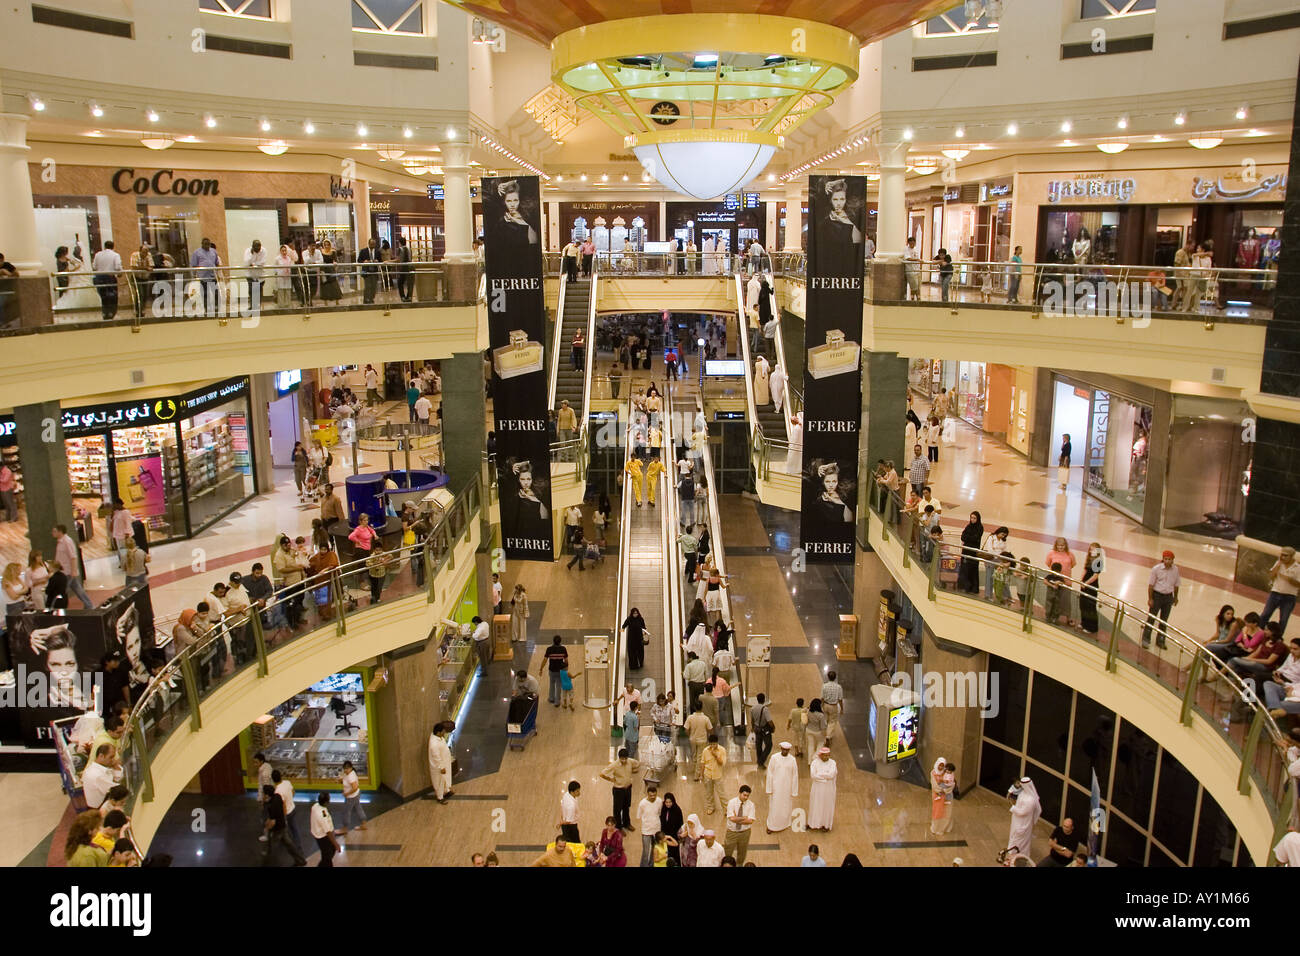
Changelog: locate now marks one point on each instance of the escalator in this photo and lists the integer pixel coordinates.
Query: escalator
(569, 381)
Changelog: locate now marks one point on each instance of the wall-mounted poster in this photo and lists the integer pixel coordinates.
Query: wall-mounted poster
(832, 384)
(516, 329)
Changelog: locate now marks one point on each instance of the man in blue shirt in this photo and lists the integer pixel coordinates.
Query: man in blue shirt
(1013, 277)
(205, 261)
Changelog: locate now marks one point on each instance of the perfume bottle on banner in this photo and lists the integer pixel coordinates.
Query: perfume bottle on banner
(519, 357)
(836, 357)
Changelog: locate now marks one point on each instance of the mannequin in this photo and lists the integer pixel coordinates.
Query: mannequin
(1082, 247)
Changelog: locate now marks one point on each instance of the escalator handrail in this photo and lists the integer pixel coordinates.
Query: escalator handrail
(618, 672)
(673, 569)
(557, 344)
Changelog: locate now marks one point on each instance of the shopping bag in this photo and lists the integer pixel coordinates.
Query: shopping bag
(949, 435)
(1062, 475)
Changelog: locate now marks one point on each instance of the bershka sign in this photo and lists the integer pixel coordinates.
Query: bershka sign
(512, 214)
(164, 182)
(832, 382)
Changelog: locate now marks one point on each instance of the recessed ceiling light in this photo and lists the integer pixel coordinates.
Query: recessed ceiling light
(96, 110)
(1242, 112)
(152, 116)
(1123, 122)
(960, 132)
(1012, 129)
(408, 132)
(1180, 119)
(560, 178)
(1067, 126)
(361, 129)
(309, 127)
(265, 125)
(210, 122)
(1112, 148)
(771, 177)
(1067, 142)
(191, 138)
(907, 133)
(604, 177)
(1159, 139)
(93, 132)
(625, 177)
(451, 132)
(583, 177)
(1255, 132)
(38, 104)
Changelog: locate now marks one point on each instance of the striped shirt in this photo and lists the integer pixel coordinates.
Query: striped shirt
(918, 471)
(832, 692)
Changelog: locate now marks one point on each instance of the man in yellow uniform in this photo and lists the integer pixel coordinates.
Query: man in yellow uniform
(652, 473)
(634, 478)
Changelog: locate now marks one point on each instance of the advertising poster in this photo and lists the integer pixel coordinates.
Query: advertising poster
(832, 382)
(140, 484)
(903, 723)
(56, 658)
(516, 329)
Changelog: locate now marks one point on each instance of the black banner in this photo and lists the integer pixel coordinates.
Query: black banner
(832, 377)
(512, 216)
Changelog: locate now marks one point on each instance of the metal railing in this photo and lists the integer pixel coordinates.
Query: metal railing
(674, 570)
(226, 292)
(622, 603)
(557, 344)
(177, 693)
(1207, 686)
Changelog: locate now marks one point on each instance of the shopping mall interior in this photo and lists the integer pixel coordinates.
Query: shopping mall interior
(911, 377)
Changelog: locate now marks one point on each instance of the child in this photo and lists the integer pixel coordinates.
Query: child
(986, 286)
(1054, 583)
(950, 782)
(377, 568)
(1021, 581)
(592, 856)
(1001, 578)
(632, 729)
(566, 686)
(659, 852)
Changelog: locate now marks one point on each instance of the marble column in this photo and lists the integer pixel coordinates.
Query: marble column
(891, 218)
(464, 428)
(17, 216)
(47, 496)
(458, 212)
(793, 217)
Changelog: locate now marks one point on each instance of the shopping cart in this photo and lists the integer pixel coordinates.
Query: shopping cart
(521, 721)
(658, 759)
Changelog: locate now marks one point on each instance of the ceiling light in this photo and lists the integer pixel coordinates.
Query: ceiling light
(451, 132)
(1112, 148)
(1242, 112)
(158, 142)
(309, 127)
(907, 133)
(1123, 122)
(705, 163)
(361, 130)
(38, 104)
(625, 177)
(960, 132)
(1159, 139)
(407, 132)
(559, 178)
(956, 153)
(1067, 142)
(390, 152)
(1255, 132)
(1205, 142)
(153, 117)
(1012, 129)
(210, 122)
(265, 125)
(93, 132)
(1067, 126)
(275, 147)
(191, 138)
(96, 111)
(771, 177)
(604, 177)
(1180, 119)
(583, 177)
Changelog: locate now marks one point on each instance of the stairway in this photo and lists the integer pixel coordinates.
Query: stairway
(773, 424)
(645, 589)
(568, 383)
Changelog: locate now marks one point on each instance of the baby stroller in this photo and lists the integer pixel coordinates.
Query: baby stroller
(659, 758)
(315, 483)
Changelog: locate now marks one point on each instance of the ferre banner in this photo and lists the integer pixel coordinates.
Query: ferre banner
(832, 382)
(516, 328)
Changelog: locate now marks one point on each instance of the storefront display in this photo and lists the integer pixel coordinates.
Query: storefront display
(178, 463)
(1210, 453)
(457, 665)
(1111, 437)
(309, 736)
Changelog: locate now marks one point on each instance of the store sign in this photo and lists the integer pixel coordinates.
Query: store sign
(952, 195)
(380, 205)
(286, 382)
(516, 329)
(92, 419)
(832, 384)
(1209, 189)
(994, 191)
(1091, 186)
(434, 190)
(7, 427)
(340, 188)
(165, 182)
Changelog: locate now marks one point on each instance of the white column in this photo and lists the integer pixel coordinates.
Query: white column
(457, 211)
(891, 219)
(793, 217)
(17, 216)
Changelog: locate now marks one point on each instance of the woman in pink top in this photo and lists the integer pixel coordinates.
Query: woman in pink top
(1060, 553)
(722, 691)
(363, 536)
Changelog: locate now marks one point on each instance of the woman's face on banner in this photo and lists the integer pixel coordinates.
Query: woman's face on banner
(128, 632)
(525, 481)
(512, 203)
(838, 200)
(831, 481)
(62, 664)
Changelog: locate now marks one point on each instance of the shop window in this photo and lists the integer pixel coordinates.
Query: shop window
(1049, 722)
(218, 468)
(1093, 743)
(388, 16)
(1135, 771)
(1216, 837)
(1125, 844)
(1175, 805)
(1007, 726)
(999, 768)
(251, 9)
(956, 21)
(1106, 9)
(1118, 451)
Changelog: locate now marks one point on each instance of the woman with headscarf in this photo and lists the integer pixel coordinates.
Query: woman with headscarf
(1094, 563)
(1026, 808)
(687, 839)
(671, 823)
(636, 639)
(972, 536)
(814, 729)
(941, 788)
(329, 279)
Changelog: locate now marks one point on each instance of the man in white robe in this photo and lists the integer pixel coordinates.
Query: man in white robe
(782, 787)
(776, 384)
(794, 459)
(821, 795)
(1025, 812)
(762, 394)
(700, 643)
(440, 760)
